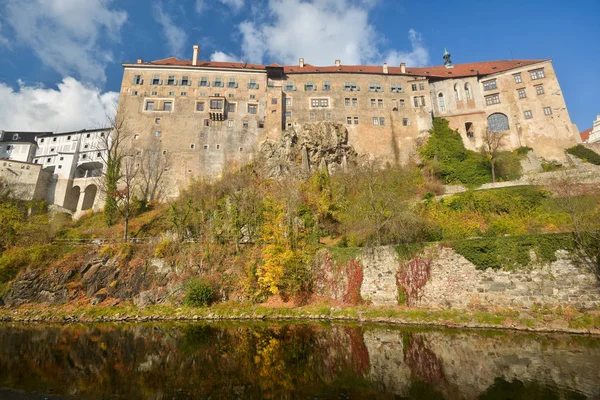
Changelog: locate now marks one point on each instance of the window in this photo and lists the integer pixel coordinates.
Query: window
(158, 134)
(154, 93)
(381, 121)
(137, 80)
(205, 147)
(456, 92)
(157, 121)
(416, 101)
(405, 122)
(185, 81)
(423, 101)
(309, 87)
(349, 120)
(347, 101)
(288, 101)
(183, 93)
(156, 80)
(468, 95)
(402, 103)
(288, 114)
(218, 146)
(469, 129)
(231, 107)
(245, 123)
(218, 83)
(380, 103)
(232, 84)
(547, 111)
(206, 122)
(168, 106)
(490, 85)
(171, 80)
(231, 95)
(136, 137)
(289, 86)
(328, 115)
(134, 92)
(537, 74)
(528, 114)
(498, 122)
(522, 93)
(539, 89)
(252, 84)
(441, 102)
(252, 108)
(375, 87)
(171, 93)
(216, 104)
(319, 102)
(200, 106)
(375, 121)
(413, 87)
(492, 99)
(192, 146)
(252, 97)
(354, 102)
(351, 87)
(203, 81)
(274, 100)
(48, 160)
(68, 137)
(42, 141)
(518, 78)
(312, 115)
(396, 88)
(355, 120)
(326, 85)
(373, 103)
(421, 86)
(16, 137)
(230, 124)
(149, 106)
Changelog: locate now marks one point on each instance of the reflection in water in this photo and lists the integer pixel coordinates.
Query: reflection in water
(280, 361)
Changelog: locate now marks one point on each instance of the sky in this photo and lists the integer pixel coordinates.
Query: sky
(60, 60)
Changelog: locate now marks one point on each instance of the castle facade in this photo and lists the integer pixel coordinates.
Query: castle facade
(208, 116)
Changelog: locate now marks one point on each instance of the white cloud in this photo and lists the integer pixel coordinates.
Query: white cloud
(417, 57)
(235, 5)
(3, 40)
(176, 36)
(66, 34)
(71, 106)
(224, 57)
(200, 6)
(321, 31)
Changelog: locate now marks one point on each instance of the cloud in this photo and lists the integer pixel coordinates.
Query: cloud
(235, 5)
(71, 106)
(67, 35)
(176, 36)
(3, 40)
(321, 31)
(223, 57)
(417, 57)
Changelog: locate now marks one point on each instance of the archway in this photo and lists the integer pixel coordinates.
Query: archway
(89, 197)
(498, 122)
(72, 198)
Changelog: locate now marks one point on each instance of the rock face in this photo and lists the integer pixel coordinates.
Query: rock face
(95, 281)
(308, 147)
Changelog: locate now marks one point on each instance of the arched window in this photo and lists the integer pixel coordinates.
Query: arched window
(441, 102)
(498, 122)
(468, 91)
(456, 92)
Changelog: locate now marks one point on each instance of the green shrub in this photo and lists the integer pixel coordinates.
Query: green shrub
(523, 150)
(199, 293)
(549, 166)
(585, 154)
(514, 251)
(508, 166)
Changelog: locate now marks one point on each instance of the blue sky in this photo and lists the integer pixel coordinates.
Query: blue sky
(61, 69)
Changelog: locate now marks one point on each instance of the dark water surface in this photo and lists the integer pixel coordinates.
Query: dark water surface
(291, 361)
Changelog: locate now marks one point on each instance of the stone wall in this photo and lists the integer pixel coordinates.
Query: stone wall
(456, 283)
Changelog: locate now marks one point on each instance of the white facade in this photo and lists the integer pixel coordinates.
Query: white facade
(595, 133)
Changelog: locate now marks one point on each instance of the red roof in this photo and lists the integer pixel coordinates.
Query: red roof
(458, 70)
(585, 135)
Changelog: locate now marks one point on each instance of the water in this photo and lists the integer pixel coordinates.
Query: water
(291, 361)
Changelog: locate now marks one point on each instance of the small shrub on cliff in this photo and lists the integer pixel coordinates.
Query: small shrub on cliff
(585, 154)
(199, 293)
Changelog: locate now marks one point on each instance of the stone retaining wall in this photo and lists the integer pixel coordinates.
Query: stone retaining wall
(456, 283)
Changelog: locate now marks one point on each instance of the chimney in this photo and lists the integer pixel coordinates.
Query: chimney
(385, 68)
(338, 63)
(140, 61)
(403, 68)
(301, 63)
(195, 57)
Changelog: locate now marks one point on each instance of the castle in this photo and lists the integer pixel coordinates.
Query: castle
(208, 115)
(205, 117)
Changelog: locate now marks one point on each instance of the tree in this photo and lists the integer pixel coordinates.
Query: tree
(153, 164)
(492, 143)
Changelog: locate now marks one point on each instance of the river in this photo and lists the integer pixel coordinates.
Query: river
(270, 360)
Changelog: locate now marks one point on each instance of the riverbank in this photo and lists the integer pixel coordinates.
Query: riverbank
(539, 320)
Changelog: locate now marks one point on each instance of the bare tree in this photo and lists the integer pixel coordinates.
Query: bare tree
(124, 196)
(153, 164)
(492, 143)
